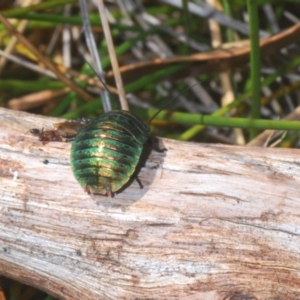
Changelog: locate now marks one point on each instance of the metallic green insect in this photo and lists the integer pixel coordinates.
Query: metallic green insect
(106, 151)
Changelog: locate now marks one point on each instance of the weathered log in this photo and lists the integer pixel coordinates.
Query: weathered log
(212, 222)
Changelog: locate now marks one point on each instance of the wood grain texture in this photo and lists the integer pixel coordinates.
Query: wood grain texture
(212, 222)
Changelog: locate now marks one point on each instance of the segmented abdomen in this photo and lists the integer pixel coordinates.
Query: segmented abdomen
(106, 151)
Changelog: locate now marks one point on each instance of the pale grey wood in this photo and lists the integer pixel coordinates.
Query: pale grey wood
(212, 222)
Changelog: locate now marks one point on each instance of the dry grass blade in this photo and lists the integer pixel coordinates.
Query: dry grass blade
(27, 64)
(215, 61)
(36, 99)
(44, 60)
(75, 74)
(113, 57)
(263, 137)
(91, 44)
(21, 27)
(206, 11)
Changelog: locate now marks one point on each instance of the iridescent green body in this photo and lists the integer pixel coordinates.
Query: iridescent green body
(106, 151)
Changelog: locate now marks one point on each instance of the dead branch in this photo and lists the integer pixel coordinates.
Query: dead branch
(212, 222)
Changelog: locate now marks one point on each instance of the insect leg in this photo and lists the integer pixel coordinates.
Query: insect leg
(139, 182)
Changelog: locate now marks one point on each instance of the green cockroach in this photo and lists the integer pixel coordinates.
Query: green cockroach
(107, 150)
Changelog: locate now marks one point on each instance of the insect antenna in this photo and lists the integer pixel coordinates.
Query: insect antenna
(99, 77)
(163, 107)
(170, 101)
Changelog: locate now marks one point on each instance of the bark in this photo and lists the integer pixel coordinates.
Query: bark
(212, 222)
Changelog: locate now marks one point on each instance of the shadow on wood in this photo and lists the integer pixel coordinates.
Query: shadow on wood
(214, 222)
